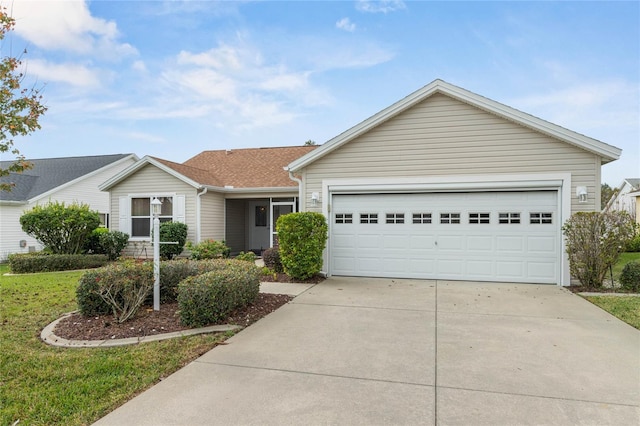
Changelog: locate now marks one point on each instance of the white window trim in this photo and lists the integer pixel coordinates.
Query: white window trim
(173, 196)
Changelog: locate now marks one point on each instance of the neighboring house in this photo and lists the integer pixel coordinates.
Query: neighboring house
(444, 184)
(231, 195)
(68, 180)
(624, 198)
(636, 198)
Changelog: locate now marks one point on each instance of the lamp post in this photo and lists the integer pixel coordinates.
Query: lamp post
(156, 208)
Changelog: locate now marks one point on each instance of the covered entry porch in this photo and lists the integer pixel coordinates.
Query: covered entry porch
(250, 223)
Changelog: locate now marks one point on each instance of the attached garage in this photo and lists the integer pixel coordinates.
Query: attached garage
(450, 185)
(480, 236)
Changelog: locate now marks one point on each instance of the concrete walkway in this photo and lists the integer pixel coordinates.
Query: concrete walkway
(379, 351)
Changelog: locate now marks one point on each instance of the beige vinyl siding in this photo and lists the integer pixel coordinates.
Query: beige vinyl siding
(442, 136)
(148, 181)
(212, 216)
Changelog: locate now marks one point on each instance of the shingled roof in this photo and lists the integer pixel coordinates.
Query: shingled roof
(50, 173)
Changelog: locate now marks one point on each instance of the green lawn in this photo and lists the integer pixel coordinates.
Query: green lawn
(624, 259)
(626, 308)
(43, 385)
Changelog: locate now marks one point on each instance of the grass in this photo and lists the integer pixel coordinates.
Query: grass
(626, 308)
(43, 385)
(623, 260)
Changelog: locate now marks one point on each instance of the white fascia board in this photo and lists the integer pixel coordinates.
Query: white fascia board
(140, 164)
(12, 203)
(48, 194)
(608, 152)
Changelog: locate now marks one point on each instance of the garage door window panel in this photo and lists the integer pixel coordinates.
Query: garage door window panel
(421, 218)
(450, 218)
(395, 217)
(479, 218)
(344, 218)
(509, 218)
(369, 218)
(540, 218)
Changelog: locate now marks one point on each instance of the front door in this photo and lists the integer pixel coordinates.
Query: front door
(259, 222)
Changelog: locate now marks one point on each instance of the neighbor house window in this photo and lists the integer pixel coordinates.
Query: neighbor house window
(422, 218)
(141, 218)
(344, 218)
(540, 218)
(368, 217)
(449, 217)
(475, 218)
(395, 217)
(104, 220)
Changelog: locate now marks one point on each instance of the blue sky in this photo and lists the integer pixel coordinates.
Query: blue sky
(174, 78)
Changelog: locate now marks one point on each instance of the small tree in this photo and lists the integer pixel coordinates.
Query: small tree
(594, 242)
(20, 108)
(302, 238)
(62, 229)
(173, 232)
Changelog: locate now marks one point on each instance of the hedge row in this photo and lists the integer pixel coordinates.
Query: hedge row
(225, 284)
(41, 262)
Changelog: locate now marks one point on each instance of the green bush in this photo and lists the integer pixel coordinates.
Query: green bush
(302, 238)
(62, 229)
(171, 273)
(209, 249)
(123, 287)
(210, 297)
(92, 244)
(634, 245)
(25, 263)
(271, 257)
(174, 232)
(630, 277)
(594, 242)
(112, 243)
(247, 257)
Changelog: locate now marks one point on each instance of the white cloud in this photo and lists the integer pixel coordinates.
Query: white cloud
(73, 74)
(346, 24)
(139, 66)
(382, 6)
(595, 108)
(145, 137)
(68, 26)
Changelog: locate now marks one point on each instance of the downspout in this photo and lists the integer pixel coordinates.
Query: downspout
(199, 214)
(299, 181)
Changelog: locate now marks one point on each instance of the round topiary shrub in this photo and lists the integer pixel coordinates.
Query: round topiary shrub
(271, 257)
(210, 297)
(630, 277)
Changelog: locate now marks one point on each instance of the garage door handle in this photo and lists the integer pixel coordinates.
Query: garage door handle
(436, 243)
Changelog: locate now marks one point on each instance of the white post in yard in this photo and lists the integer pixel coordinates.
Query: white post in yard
(156, 208)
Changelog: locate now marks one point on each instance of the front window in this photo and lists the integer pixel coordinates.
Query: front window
(141, 217)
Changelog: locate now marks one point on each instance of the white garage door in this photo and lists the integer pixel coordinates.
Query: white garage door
(483, 236)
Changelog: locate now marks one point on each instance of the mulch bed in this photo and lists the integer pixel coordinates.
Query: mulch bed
(148, 322)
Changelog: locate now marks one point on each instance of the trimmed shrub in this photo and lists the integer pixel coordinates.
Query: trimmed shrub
(634, 244)
(62, 229)
(175, 232)
(210, 297)
(112, 243)
(594, 242)
(271, 257)
(247, 257)
(171, 273)
(209, 249)
(123, 287)
(302, 237)
(92, 244)
(25, 263)
(630, 277)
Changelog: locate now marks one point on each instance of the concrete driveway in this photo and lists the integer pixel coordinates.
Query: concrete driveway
(380, 351)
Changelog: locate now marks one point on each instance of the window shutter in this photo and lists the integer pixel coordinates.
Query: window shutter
(125, 215)
(179, 209)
